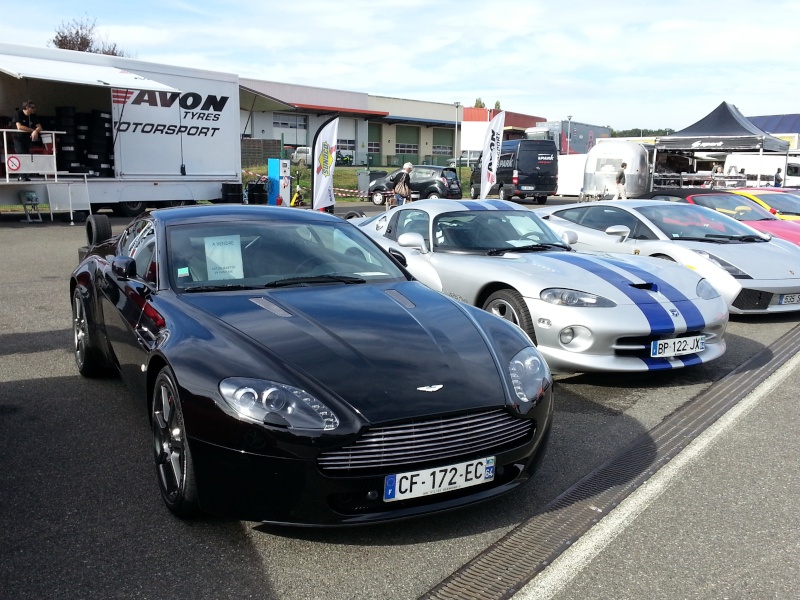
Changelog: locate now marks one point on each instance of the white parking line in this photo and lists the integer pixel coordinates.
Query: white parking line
(572, 561)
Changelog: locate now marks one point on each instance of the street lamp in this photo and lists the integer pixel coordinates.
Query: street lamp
(455, 143)
(569, 130)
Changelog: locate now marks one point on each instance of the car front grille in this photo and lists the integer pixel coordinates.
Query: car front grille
(639, 346)
(417, 443)
(752, 300)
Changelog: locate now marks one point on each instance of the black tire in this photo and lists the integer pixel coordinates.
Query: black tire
(354, 214)
(510, 305)
(173, 459)
(504, 194)
(98, 229)
(474, 192)
(541, 199)
(378, 198)
(88, 359)
(130, 209)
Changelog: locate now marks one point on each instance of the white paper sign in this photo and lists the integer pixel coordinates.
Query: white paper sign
(224, 257)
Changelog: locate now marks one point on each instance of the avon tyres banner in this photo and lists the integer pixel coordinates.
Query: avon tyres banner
(323, 161)
(491, 153)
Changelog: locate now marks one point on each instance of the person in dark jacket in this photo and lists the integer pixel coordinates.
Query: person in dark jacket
(621, 193)
(402, 185)
(29, 128)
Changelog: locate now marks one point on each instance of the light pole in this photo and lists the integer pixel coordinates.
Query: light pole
(569, 130)
(455, 144)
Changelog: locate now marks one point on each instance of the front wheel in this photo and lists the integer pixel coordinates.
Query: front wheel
(510, 305)
(377, 198)
(474, 192)
(173, 459)
(87, 358)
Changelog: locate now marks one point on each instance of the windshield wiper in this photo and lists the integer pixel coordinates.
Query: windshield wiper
(309, 279)
(219, 287)
(745, 237)
(711, 239)
(528, 248)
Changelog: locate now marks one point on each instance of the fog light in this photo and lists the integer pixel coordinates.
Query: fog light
(545, 323)
(372, 495)
(567, 335)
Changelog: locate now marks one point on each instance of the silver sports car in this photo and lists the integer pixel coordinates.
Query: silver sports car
(585, 312)
(753, 271)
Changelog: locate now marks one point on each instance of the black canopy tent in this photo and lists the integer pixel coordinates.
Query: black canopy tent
(724, 129)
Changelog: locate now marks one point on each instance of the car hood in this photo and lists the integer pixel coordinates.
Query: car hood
(383, 349)
(787, 230)
(766, 261)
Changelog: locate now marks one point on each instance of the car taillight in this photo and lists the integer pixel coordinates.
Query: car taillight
(515, 178)
(444, 180)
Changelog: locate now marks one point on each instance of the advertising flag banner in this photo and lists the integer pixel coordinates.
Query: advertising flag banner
(491, 153)
(323, 161)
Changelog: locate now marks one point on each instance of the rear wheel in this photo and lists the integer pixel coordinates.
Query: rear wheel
(510, 305)
(541, 199)
(173, 459)
(130, 209)
(474, 192)
(433, 196)
(505, 193)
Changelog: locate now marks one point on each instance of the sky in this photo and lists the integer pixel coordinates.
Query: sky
(627, 64)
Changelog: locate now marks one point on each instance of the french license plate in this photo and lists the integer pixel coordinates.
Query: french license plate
(677, 346)
(415, 484)
(527, 188)
(789, 299)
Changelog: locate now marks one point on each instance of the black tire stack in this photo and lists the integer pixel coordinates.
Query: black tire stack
(68, 154)
(98, 146)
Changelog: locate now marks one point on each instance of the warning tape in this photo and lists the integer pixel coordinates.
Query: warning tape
(340, 192)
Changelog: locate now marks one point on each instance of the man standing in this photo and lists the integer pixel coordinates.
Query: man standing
(621, 193)
(778, 178)
(28, 126)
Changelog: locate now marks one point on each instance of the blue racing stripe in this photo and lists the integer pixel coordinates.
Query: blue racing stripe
(657, 316)
(503, 205)
(657, 364)
(474, 205)
(689, 360)
(691, 314)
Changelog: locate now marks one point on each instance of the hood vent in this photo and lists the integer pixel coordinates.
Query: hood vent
(270, 306)
(400, 299)
(647, 285)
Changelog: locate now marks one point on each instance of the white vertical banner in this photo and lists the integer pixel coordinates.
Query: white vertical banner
(323, 163)
(491, 153)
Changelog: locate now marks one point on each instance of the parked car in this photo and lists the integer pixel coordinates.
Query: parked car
(754, 272)
(784, 203)
(294, 373)
(468, 158)
(526, 169)
(427, 181)
(584, 312)
(301, 156)
(734, 205)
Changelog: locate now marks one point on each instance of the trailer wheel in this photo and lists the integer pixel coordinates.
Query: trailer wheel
(98, 229)
(130, 209)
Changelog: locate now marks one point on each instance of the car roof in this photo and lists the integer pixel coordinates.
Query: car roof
(233, 212)
(438, 206)
(686, 192)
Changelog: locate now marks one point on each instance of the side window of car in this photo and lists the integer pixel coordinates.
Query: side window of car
(132, 237)
(412, 221)
(421, 174)
(571, 214)
(146, 261)
(603, 217)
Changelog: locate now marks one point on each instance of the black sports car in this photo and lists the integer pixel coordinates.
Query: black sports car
(295, 373)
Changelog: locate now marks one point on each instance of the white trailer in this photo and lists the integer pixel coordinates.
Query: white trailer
(760, 169)
(171, 133)
(570, 174)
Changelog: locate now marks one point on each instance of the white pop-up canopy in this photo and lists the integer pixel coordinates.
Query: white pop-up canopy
(23, 67)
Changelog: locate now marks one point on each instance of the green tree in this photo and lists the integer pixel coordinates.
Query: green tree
(80, 35)
(497, 104)
(479, 103)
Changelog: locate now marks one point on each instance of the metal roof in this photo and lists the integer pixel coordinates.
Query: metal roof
(777, 123)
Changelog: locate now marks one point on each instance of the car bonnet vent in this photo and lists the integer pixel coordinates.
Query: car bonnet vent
(400, 299)
(647, 285)
(270, 306)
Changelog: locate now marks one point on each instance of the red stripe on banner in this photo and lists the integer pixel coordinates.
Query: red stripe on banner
(119, 96)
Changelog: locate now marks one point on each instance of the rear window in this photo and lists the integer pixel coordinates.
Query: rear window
(449, 174)
(532, 160)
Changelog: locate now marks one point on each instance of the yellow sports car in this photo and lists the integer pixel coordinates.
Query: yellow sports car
(783, 203)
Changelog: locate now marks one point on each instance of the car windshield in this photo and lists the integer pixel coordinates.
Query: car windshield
(693, 222)
(259, 254)
(784, 202)
(734, 206)
(493, 231)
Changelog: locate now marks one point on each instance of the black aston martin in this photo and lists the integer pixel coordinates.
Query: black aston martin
(294, 372)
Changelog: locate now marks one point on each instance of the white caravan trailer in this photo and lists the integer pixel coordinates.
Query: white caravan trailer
(603, 161)
(123, 132)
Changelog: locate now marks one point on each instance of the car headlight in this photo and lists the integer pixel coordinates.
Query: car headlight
(276, 404)
(706, 291)
(530, 376)
(567, 297)
(724, 264)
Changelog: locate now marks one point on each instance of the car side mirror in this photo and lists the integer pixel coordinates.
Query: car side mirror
(569, 236)
(123, 267)
(413, 240)
(620, 231)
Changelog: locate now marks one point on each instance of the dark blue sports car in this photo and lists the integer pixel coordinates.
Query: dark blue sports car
(294, 372)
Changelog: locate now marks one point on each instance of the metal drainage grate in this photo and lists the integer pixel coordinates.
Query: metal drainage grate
(510, 563)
